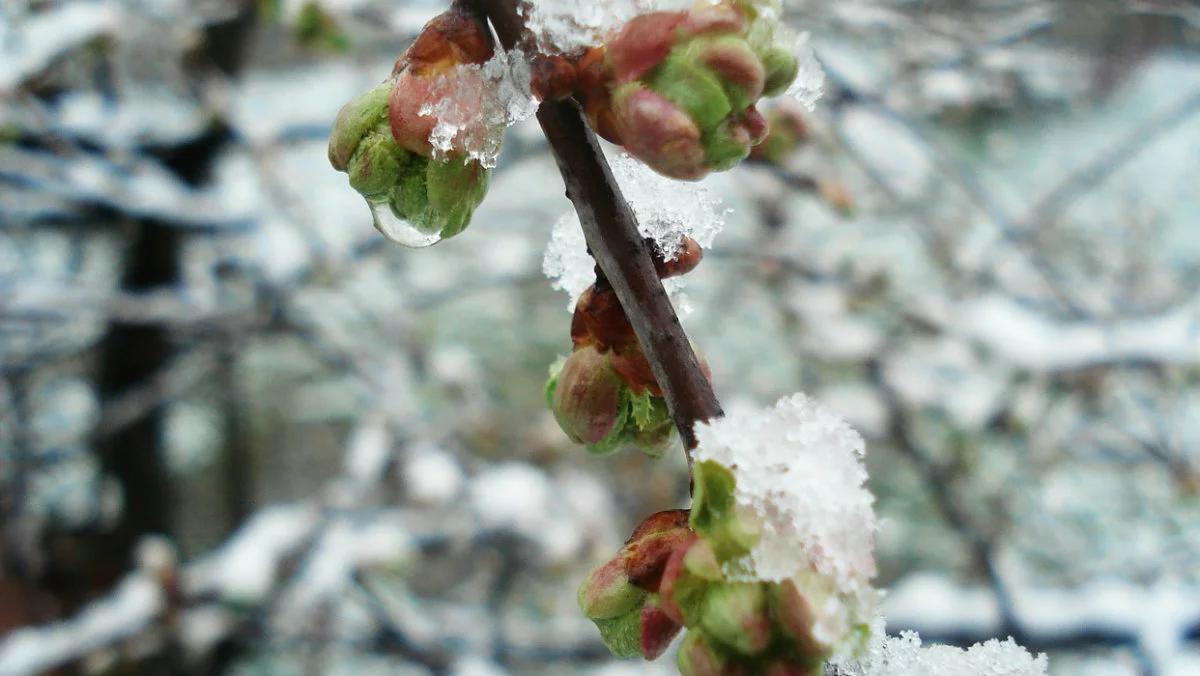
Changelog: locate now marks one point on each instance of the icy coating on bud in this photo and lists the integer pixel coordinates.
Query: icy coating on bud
(678, 88)
(419, 147)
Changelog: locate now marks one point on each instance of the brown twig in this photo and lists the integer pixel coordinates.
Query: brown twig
(611, 231)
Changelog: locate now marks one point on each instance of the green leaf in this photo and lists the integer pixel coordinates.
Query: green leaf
(714, 512)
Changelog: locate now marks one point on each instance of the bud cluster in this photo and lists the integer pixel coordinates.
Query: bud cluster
(604, 394)
(678, 89)
(382, 140)
(679, 569)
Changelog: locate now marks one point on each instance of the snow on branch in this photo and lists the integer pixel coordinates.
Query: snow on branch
(1156, 619)
(1035, 341)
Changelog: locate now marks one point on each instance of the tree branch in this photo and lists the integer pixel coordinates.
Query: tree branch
(611, 231)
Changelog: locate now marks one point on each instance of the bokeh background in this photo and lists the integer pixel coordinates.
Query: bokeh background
(242, 433)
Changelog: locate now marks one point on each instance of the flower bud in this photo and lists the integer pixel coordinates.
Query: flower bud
(607, 592)
(735, 613)
(588, 401)
(736, 66)
(658, 132)
(553, 78)
(600, 320)
(642, 44)
(675, 88)
(781, 67)
(354, 122)
(686, 259)
(651, 546)
(376, 166)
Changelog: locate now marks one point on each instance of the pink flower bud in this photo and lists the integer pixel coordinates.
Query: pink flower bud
(652, 544)
(658, 629)
(658, 132)
(410, 93)
(642, 44)
(587, 402)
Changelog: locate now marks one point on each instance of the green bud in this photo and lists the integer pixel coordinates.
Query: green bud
(455, 188)
(355, 120)
(735, 614)
(781, 67)
(590, 401)
(714, 512)
(376, 165)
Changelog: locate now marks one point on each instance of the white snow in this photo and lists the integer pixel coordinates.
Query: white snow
(799, 469)
(431, 475)
(905, 656)
(666, 211)
(134, 604)
(568, 25)
(28, 47)
(1033, 340)
(244, 569)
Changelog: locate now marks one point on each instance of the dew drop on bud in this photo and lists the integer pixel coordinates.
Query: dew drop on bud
(400, 230)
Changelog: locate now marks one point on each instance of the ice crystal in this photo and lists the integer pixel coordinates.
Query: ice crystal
(569, 25)
(666, 211)
(809, 84)
(800, 473)
(904, 655)
(475, 103)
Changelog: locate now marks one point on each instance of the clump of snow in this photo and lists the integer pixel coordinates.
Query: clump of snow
(666, 210)
(431, 475)
(134, 603)
(475, 103)
(28, 47)
(904, 655)
(799, 471)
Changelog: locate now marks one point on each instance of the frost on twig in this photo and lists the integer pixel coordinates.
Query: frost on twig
(666, 210)
(904, 655)
(475, 103)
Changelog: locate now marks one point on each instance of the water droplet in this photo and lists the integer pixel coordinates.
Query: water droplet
(399, 230)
